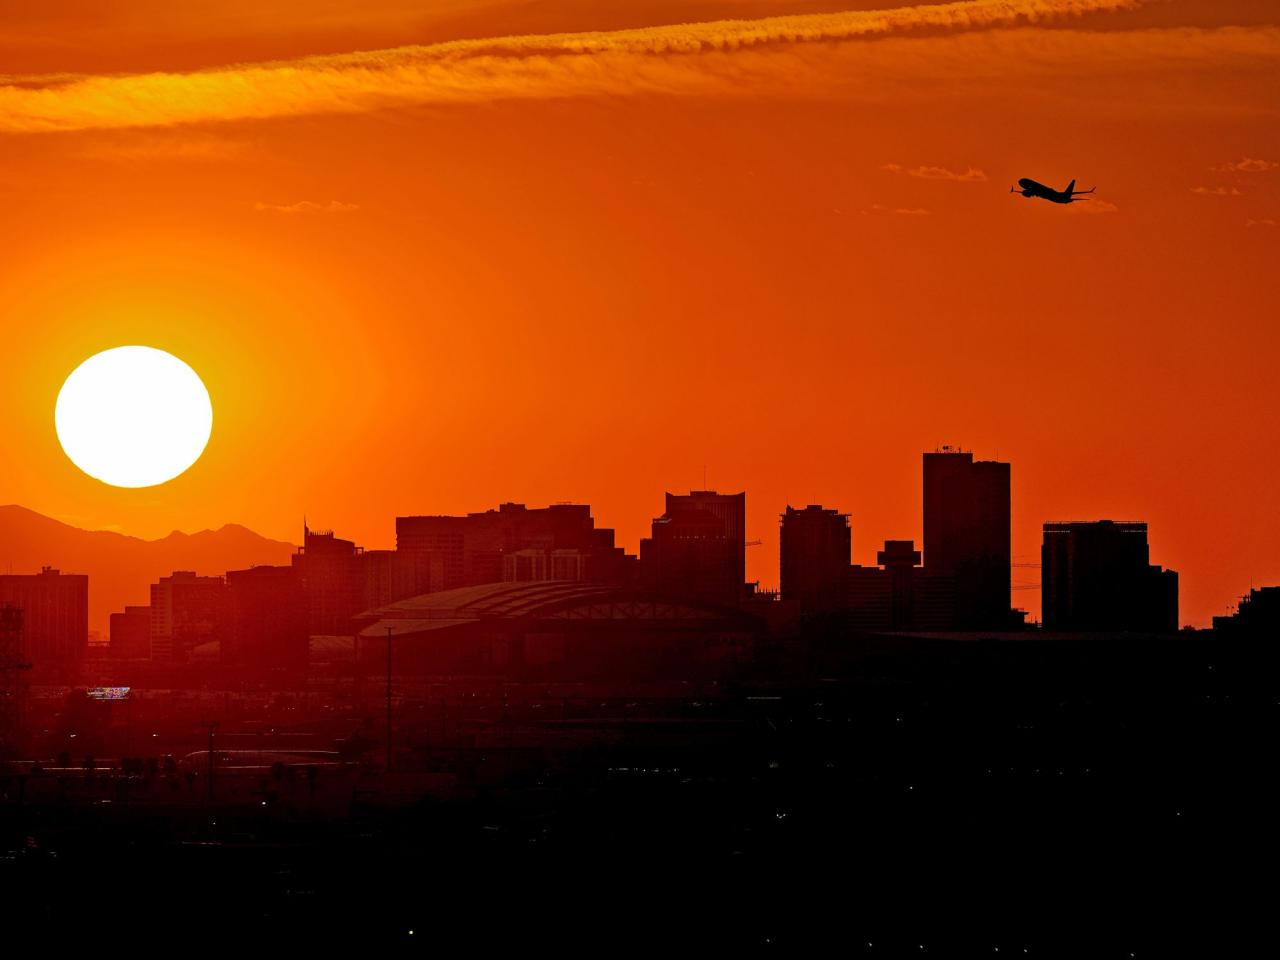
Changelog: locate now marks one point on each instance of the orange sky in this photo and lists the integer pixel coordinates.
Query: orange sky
(540, 267)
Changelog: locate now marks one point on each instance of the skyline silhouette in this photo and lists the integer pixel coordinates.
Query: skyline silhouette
(797, 280)
(1094, 575)
(652, 483)
(993, 518)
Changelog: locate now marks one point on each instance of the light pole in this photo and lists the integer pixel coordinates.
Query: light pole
(213, 725)
(388, 699)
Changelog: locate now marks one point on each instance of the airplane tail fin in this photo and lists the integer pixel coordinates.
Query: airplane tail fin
(1070, 188)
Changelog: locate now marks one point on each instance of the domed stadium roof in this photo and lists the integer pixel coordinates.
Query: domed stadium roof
(541, 600)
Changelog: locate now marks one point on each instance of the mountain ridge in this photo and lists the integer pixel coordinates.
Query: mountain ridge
(121, 567)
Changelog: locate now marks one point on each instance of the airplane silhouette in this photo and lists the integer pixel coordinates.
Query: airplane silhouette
(1030, 188)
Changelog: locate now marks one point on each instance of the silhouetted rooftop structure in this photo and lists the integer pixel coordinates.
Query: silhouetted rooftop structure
(697, 548)
(967, 534)
(1096, 575)
(1257, 614)
(474, 549)
(814, 545)
(550, 626)
(55, 614)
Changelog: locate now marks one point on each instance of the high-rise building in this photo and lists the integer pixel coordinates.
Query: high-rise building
(131, 633)
(899, 594)
(967, 535)
(814, 547)
(55, 614)
(331, 573)
(342, 580)
(266, 619)
(1257, 614)
(13, 686)
(468, 551)
(697, 548)
(731, 510)
(389, 575)
(1097, 575)
(186, 612)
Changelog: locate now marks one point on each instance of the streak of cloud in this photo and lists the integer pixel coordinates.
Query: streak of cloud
(1093, 207)
(1247, 165)
(1218, 191)
(677, 58)
(165, 145)
(970, 174)
(306, 206)
(900, 211)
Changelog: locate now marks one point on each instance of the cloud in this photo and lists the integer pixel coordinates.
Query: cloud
(1093, 207)
(970, 175)
(900, 211)
(166, 145)
(1268, 222)
(678, 58)
(1218, 191)
(1247, 165)
(306, 206)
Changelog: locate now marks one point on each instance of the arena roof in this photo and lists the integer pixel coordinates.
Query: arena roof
(551, 599)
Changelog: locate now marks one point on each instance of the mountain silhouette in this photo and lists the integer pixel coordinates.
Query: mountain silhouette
(121, 568)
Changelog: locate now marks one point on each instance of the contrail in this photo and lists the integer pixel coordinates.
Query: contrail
(650, 59)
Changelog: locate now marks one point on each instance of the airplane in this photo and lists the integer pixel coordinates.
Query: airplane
(1030, 188)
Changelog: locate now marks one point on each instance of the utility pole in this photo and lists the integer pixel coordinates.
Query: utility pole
(213, 725)
(388, 699)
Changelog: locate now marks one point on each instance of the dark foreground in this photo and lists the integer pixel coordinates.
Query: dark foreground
(938, 798)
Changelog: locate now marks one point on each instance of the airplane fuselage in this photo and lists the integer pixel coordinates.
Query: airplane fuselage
(1033, 188)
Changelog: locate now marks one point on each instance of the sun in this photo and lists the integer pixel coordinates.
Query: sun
(133, 416)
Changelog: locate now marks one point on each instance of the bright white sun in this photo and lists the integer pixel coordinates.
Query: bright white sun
(133, 416)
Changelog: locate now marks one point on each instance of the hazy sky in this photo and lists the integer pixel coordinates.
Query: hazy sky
(430, 256)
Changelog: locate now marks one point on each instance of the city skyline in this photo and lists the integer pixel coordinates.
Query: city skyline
(1023, 583)
(697, 549)
(788, 475)
(797, 283)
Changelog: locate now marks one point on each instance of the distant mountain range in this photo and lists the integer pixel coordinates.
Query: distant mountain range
(121, 568)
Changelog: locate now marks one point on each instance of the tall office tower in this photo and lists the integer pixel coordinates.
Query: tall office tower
(468, 551)
(966, 535)
(1098, 576)
(1257, 614)
(388, 576)
(13, 686)
(899, 594)
(266, 619)
(814, 546)
(688, 554)
(186, 611)
(131, 633)
(697, 548)
(731, 510)
(55, 614)
(332, 575)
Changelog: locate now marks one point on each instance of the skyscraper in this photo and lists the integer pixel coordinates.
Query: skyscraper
(697, 548)
(474, 549)
(131, 633)
(1097, 576)
(55, 614)
(331, 570)
(814, 547)
(967, 535)
(186, 611)
(731, 510)
(267, 619)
